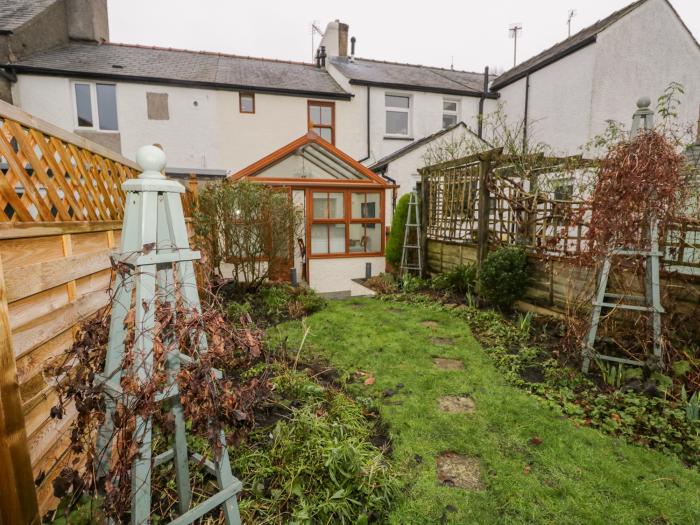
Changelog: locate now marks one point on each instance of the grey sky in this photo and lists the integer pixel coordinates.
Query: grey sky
(475, 33)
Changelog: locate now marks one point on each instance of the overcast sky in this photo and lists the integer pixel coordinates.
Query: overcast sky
(471, 33)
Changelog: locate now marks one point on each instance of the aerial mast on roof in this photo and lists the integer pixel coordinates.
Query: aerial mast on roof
(572, 14)
(513, 31)
(314, 31)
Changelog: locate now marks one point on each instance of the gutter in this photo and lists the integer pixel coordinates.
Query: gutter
(175, 82)
(527, 111)
(9, 74)
(369, 151)
(424, 89)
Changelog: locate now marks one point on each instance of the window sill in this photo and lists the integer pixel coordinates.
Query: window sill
(396, 137)
(96, 130)
(345, 255)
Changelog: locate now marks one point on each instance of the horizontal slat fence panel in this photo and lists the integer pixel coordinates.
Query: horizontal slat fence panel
(61, 207)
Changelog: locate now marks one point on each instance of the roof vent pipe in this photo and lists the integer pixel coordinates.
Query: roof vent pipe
(323, 56)
(352, 49)
(318, 57)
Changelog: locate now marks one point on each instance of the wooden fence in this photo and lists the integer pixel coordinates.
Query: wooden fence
(61, 206)
(478, 203)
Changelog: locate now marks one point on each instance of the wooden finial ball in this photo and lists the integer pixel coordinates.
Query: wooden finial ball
(151, 160)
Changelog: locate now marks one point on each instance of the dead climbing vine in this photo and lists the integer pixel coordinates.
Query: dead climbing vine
(211, 405)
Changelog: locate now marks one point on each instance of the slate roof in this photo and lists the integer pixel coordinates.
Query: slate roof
(385, 161)
(364, 71)
(176, 66)
(574, 43)
(15, 13)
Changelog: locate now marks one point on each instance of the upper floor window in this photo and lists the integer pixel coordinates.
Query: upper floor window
(322, 119)
(398, 110)
(246, 102)
(450, 113)
(96, 106)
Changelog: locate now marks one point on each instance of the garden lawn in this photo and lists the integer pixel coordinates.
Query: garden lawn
(536, 466)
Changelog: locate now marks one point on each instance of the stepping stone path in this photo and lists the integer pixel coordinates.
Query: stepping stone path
(455, 470)
(442, 341)
(448, 364)
(464, 405)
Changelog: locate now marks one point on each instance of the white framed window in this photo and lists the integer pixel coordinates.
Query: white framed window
(398, 115)
(450, 112)
(95, 105)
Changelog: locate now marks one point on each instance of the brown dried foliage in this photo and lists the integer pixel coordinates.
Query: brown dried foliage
(211, 405)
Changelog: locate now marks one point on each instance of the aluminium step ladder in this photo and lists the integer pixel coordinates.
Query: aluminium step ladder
(412, 243)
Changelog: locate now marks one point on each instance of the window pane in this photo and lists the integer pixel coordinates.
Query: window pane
(449, 105)
(247, 103)
(328, 205)
(335, 206)
(327, 238)
(365, 205)
(365, 238)
(449, 120)
(326, 115)
(315, 114)
(397, 122)
(82, 104)
(320, 206)
(326, 134)
(319, 238)
(337, 236)
(107, 106)
(393, 101)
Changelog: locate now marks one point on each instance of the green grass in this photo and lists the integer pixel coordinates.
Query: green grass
(575, 476)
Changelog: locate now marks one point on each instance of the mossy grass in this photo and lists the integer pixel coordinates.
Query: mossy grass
(537, 466)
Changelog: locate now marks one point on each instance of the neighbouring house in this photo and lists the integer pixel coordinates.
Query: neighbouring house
(401, 166)
(344, 208)
(570, 91)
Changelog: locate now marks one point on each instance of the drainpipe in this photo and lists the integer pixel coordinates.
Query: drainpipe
(369, 151)
(526, 116)
(481, 102)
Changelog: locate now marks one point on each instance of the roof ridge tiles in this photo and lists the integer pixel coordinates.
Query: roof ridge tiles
(418, 65)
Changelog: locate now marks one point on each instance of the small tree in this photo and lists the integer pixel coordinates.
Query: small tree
(248, 225)
(394, 245)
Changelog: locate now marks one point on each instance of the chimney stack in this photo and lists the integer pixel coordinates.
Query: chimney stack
(342, 39)
(88, 20)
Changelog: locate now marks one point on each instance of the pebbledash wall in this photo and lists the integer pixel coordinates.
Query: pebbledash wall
(205, 128)
(571, 100)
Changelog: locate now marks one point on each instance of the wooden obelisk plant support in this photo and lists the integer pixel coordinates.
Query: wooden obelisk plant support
(641, 245)
(155, 268)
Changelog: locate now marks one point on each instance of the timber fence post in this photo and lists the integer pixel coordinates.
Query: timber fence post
(18, 501)
(483, 219)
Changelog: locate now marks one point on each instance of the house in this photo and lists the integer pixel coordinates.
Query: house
(214, 113)
(401, 166)
(570, 91)
(344, 208)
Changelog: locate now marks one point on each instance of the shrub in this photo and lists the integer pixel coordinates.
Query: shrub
(412, 283)
(461, 279)
(382, 284)
(243, 224)
(394, 245)
(504, 276)
(317, 466)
